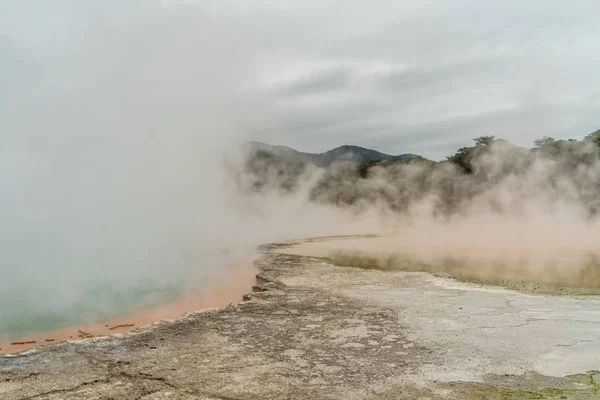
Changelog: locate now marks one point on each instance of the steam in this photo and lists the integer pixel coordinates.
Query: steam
(124, 178)
(113, 175)
(498, 213)
(497, 178)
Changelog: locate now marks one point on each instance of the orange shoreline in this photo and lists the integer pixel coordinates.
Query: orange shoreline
(227, 287)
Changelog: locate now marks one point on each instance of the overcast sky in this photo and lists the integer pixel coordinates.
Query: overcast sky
(399, 76)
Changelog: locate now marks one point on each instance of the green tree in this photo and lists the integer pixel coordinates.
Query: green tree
(484, 140)
(462, 158)
(594, 137)
(546, 141)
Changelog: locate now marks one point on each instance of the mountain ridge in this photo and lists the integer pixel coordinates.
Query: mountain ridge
(342, 153)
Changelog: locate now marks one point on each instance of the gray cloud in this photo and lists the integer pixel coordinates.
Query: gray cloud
(19, 74)
(446, 71)
(318, 82)
(391, 74)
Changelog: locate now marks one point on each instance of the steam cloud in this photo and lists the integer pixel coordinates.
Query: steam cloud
(114, 184)
(494, 212)
(121, 172)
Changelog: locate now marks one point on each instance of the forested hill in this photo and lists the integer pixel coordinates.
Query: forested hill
(492, 172)
(343, 153)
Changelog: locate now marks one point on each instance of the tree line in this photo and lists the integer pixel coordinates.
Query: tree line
(553, 169)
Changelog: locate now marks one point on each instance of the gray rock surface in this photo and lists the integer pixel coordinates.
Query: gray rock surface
(308, 331)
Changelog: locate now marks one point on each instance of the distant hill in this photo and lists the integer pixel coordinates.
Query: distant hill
(343, 153)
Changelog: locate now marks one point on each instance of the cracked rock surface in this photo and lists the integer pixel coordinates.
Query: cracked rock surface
(314, 331)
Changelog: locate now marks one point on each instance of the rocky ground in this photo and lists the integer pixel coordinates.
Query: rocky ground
(311, 330)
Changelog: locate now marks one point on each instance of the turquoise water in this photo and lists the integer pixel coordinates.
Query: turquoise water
(23, 312)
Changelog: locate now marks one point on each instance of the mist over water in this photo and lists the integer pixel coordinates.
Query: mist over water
(113, 167)
(494, 212)
(124, 182)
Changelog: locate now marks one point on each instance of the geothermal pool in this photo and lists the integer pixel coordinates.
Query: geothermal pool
(529, 267)
(109, 309)
(569, 269)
